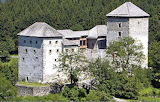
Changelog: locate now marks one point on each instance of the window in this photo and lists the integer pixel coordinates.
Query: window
(101, 44)
(24, 41)
(55, 59)
(50, 42)
(66, 50)
(120, 34)
(84, 42)
(36, 57)
(36, 42)
(26, 51)
(23, 59)
(34, 51)
(72, 50)
(50, 51)
(57, 50)
(120, 25)
(30, 42)
(80, 43)
(56, 42)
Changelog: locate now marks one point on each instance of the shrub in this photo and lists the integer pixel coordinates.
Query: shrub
(95, 95)
(6, 88)
(150, 91)
(74, 93)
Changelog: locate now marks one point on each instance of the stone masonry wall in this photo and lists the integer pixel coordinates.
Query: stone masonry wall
(113, 28)
(30, 59)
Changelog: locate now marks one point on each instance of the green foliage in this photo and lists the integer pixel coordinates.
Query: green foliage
(10, 70)
(125, 54)
(150, 91)
(95, 95)
(74, 93)
(119, 76)
(72, 64)
(6, 88)
(149, 99)
(76, 27)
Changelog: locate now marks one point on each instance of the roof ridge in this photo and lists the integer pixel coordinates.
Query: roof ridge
(128, 8)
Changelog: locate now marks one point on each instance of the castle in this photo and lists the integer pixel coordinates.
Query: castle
(40, 44)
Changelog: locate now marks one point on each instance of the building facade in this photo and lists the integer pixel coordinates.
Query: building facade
(40, 45)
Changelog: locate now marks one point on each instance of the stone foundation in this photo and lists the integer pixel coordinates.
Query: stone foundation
(25, 90)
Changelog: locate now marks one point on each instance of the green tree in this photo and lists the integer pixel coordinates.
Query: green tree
(6, 88)
(154, 62)
(125, 54)
(73, 65)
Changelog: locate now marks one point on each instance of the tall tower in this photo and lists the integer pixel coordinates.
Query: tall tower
(128, 20)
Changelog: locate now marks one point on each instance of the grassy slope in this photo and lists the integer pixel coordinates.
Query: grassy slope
(32, 84)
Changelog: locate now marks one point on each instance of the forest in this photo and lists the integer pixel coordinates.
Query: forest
(16, 15)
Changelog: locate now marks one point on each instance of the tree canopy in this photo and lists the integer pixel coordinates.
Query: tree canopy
(16, 15)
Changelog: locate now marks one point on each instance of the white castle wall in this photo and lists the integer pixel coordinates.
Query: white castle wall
(52, 47)
(138, 29)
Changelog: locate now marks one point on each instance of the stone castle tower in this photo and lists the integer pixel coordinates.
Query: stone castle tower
(39, 48)
(128, 20)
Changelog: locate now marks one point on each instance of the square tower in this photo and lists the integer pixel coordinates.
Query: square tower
(128, 20)
(38, 51)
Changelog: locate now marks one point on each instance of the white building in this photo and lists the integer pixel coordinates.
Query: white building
(40, 44)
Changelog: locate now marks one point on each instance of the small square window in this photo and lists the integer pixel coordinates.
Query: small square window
(55, 59)
(30, 42)
(34, 51)
(66, 50)
(36, 57)
(56, 42)
(24, 41)
(57, 50)
(36, 42)
(50, 51)
(23, 59)
(50, 42)
(72, 50)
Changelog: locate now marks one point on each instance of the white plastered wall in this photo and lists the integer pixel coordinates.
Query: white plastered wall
(52, 47)
(138, 29)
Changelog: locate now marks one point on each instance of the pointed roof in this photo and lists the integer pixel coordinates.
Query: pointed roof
(128, 9)
(98, 30)
(40, 29)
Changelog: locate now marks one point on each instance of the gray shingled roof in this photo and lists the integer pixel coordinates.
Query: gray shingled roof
(128, 9)
(67, 33)
(70, 42)
(99, 30)
(40, 29)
